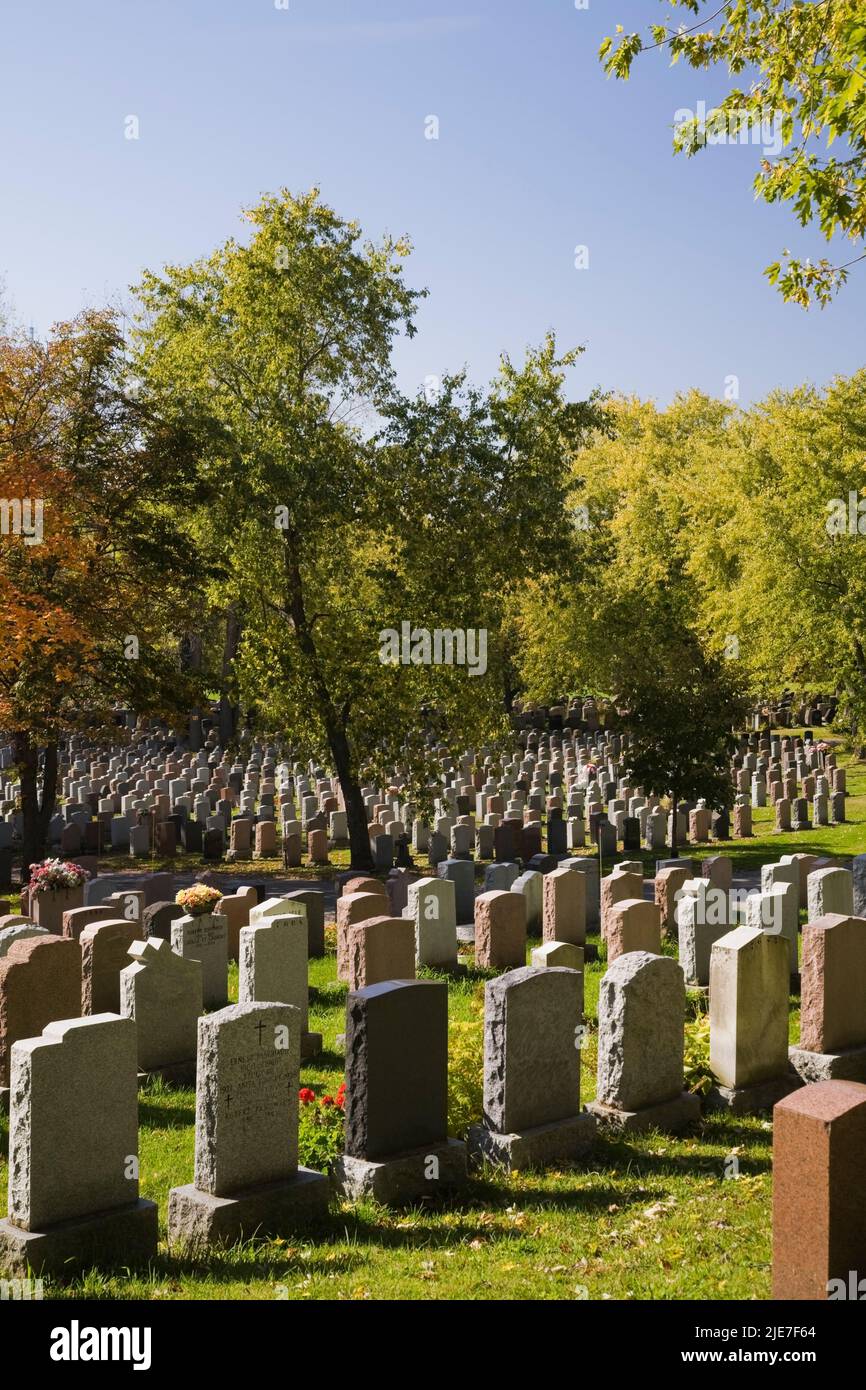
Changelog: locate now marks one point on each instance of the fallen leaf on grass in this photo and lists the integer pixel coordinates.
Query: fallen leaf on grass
(660, 1208)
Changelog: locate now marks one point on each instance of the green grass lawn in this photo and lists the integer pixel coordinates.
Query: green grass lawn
(655, 1217)
(652, 1218)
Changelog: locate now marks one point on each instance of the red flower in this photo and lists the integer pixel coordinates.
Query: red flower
(305, 1095)
(327, 1100)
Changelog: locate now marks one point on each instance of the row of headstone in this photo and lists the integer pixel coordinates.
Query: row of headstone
(160, 969)
(217, 805)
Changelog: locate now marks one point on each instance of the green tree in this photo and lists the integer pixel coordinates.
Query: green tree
(777, 536)
(755, 519)
(680, 706)
(485, 486)
(807, 67)
(273, 350)
(340, 509)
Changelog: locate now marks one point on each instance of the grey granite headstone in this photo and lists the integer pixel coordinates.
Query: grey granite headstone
(97, 890)
(18, 931)
(858, 870)
(205, 939)
(73, 1148)
(431, 907)
(499, 877)
(246, 1119)
(247, 1179)
(530, 1021)
(532, 1030)
(162, 992)
(272, 966)
(701, 919)
(588, 864)
(749, 977)
(641, 1016)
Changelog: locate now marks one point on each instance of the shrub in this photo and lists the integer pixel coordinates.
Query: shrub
(465, 1076)
(698, 1076)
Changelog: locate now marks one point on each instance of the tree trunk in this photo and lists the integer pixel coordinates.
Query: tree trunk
(335, 726)
(356, 811)
(509, 690)
(228, 713)
(37, 803)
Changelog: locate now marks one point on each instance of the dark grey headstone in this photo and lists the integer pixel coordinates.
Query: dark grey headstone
(607, 839)
(314, 902)
(396, 1067)
(543, 863)
(212, 844)
(505, 846)
(192, 836)
(438, 848)
(557, 838)
(530, 841)
(383, 852)
(858, 870)
(157, 888)
(631, 835)
(720, 825)
(462, 874)
(158, 917)
(402, 855)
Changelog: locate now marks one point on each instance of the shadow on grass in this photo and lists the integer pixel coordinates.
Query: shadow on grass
(480, 1212)
(329, 995)
(244, 1263)
(157, 1116)
(326, 1060)
(494, 1191)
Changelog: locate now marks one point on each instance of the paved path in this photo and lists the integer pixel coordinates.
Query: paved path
(277, 887)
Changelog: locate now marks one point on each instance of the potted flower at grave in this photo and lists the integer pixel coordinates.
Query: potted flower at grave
(56, 886)
(202, 935)
(199, 900)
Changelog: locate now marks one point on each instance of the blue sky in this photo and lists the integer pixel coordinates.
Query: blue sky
(538, 152)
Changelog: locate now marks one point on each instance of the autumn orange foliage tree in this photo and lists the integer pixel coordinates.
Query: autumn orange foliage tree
(96, 570)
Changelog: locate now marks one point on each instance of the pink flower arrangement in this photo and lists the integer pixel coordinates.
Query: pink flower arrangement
(54, 874)
(198, 900)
